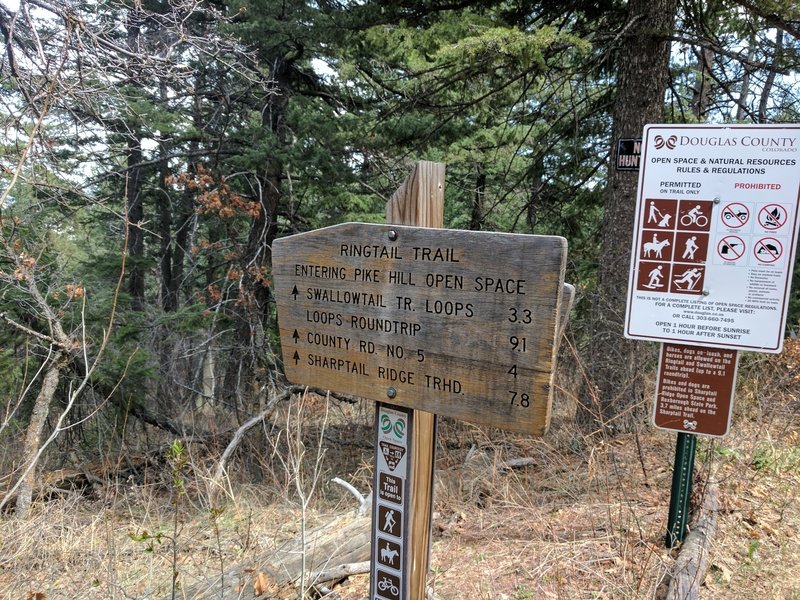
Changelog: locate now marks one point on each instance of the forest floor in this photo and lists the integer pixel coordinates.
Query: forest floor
(584, 519)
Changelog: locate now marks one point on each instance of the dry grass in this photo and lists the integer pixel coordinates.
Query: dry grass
(585, 519)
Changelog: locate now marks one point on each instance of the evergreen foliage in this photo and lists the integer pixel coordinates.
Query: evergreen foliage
(165, 145)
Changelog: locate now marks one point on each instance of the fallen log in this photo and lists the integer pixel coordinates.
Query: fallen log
(344, 540)
(691, 565)
(331, 552)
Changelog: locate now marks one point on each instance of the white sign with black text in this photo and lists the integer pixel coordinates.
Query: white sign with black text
(715, 235)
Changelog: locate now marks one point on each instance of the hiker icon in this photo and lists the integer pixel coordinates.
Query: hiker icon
(689, 278)
(388, 521)
(690, 248)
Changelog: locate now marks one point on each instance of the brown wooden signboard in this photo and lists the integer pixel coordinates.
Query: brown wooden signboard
(695, 389)
(457, 323)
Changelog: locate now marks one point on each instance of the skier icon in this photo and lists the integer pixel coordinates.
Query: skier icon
(655, 278)
(388, 521)
(690, 277)
(691, 248)
(654, 214)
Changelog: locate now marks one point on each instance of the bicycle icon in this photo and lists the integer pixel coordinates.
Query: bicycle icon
(694, 217)
(386, 584)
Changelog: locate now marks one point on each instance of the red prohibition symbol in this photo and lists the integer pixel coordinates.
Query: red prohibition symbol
(731, 247)
(768, 250)
(772, 216)
(735, 215)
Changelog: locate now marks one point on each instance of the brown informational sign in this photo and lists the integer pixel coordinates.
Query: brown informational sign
(695, 389)
(457, 323)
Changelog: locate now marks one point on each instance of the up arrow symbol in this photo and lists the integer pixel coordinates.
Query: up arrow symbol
(296, 336)
(296, 357)
(295, 292)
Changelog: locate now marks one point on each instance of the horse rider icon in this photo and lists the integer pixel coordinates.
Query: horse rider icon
(656, 246)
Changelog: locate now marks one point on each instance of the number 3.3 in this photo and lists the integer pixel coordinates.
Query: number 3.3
(523, 316)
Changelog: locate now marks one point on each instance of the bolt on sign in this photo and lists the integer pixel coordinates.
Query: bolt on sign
(694, 392)
(457, 323)
(715, 235)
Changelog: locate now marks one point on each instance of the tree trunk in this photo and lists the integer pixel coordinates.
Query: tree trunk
(741, 108)
(613, 401)
(169, 295)
(33, 436)
(703, 85)
(133, 189)
(476, 218)
(766, 92)
(243, 375)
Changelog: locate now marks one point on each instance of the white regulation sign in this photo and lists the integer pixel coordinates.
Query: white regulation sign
(715, 235)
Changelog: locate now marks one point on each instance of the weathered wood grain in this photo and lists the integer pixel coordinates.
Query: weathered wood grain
(691, 566)
(419, 202)
(458, 323)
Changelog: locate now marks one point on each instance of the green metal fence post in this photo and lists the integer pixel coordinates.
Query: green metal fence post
(681, 488)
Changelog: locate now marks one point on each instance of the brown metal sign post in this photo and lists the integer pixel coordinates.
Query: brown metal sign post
(694, 391)
(694, 395)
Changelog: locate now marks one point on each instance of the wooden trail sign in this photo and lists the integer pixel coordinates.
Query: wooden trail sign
(458, 323)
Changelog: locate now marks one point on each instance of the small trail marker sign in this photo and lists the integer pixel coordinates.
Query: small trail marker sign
(457, 323)
(390, 503)
(715, 235)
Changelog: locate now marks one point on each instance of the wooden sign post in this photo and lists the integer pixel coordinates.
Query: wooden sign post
(426, 321)
(457, 323)
(419, 201)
